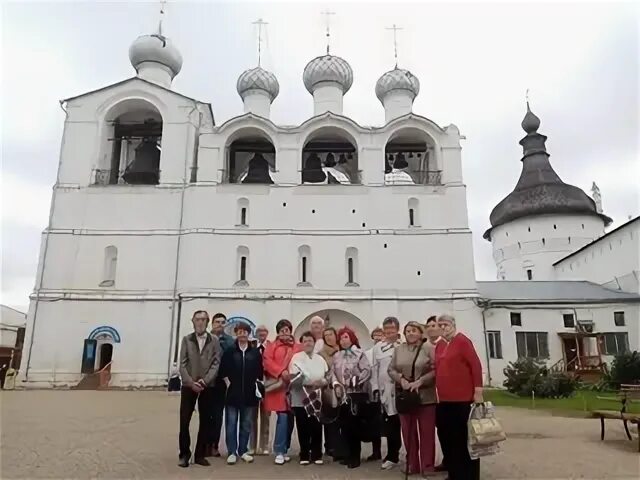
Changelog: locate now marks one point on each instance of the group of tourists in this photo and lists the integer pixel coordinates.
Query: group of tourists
(328, 387)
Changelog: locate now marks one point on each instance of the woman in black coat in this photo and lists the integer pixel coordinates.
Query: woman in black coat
(241, 369)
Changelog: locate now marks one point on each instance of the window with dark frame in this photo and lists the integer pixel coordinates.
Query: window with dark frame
(243, 268)
(529, 274)
(516, 319)
(618, 319)
(243, 216)
(411, 219)
(615, 343)
(304, 269)
(569, 320)
(350, 270)
(532, 344)
(494, 343)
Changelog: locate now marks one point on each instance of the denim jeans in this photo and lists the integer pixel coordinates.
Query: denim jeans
(281, 439)
(237, 444)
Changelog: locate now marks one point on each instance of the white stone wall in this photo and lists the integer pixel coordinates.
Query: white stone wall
(549, 319)
(613, 262)
(538, 241)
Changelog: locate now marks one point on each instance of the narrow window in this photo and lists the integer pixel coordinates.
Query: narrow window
(351, 264)
(569, 320)
(243, 269)
(109, 267)
(350, 270)
(494, 343)
(243, 216)
(414, 212)
(529, 274)
(304, 269)
(411, 220)
(618, 319)
(516, 319)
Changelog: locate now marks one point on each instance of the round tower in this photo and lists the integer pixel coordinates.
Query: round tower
(258, 88)
(155, 58)
(396, 90)
(543, 219)
(327, 78)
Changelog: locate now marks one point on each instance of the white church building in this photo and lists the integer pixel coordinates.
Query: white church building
(158, 211)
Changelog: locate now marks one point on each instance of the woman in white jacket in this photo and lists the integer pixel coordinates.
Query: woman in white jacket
(384, 387)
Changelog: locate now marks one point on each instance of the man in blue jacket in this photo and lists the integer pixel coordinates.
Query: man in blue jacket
(219, 390)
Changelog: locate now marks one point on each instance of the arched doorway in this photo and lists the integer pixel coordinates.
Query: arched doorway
(105, 355)
(337, 319)
(98, 349)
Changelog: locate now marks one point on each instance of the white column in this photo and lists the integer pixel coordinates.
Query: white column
(396, 104)
(257, 102)
(156, 73)
(327, 97)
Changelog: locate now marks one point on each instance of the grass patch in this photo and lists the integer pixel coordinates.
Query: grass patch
(581, 401)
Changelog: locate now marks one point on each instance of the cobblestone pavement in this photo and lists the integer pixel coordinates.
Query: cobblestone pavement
(118, 435)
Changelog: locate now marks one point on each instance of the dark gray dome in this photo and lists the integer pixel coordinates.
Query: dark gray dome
(540, 190)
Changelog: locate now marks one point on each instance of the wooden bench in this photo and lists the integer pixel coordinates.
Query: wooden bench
(627, 394)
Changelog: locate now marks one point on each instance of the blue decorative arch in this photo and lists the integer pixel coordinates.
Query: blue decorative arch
(105, 330)
(231, 322)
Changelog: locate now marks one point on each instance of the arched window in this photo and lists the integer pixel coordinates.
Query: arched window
(414, 217)
(304, 266)
(242, 267)
(251, 158)
(132, 145)
(243, 212)
(409, 159)
(351, 264)
(330, 155)
(109, 266)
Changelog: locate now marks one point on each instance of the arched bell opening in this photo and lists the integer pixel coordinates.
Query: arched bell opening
(337, 319)
(133, 145)
(330, 156)
(410, 160)
(251, 158)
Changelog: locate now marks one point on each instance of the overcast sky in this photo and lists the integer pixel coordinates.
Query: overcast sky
(474, 61)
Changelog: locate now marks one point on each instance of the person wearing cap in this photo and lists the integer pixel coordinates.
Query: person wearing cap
(240, 369)
(459, 384)
(276, 359)
(412, 368)
(259, 441)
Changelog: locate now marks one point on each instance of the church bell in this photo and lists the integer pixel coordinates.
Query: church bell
(312, 171)
(145, 168)
(258, 170)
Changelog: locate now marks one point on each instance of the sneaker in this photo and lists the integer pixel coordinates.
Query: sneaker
(388, 465)
(304, 462)
(279, 460)
(232, 459)
(266, 451)
(247, 458)
(318, 462)
(251, 451)
(287, 458)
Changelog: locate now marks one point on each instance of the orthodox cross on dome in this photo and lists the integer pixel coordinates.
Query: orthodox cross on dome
(163, 3)
(328, 14)
(260, 23)
(395, 29)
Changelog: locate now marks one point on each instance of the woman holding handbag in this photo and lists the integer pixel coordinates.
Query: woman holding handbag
(412, 368)
(350, 374)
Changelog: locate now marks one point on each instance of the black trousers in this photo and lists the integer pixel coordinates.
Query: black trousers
(392, 430)
(451, 420)
(309, 435)
(350, 426)
(375, 417)
(188, 399)
(218, 395)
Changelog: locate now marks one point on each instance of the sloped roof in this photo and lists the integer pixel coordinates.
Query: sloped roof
(12, 317)
(557, 291)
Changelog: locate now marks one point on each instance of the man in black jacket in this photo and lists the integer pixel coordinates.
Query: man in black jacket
(199, 361)
(241, 370)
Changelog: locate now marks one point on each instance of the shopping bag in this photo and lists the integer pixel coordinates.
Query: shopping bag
(485, 431)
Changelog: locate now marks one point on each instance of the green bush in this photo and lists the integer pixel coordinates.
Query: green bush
(528, 375)
(625, 368)
(522, 376)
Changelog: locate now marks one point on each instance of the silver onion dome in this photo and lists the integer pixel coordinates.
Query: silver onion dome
(155, 48)
(258, 79)
(397, 79)
(327, 68)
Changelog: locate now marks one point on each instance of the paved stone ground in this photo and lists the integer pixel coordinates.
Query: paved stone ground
(118, 435)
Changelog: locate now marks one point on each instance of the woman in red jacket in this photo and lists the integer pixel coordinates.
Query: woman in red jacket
(276, 359)
(458, 384)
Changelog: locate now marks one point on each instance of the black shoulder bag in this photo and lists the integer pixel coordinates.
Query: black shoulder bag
(407, 400)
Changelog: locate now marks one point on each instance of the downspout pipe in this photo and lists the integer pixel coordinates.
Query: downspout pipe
(484, 305)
